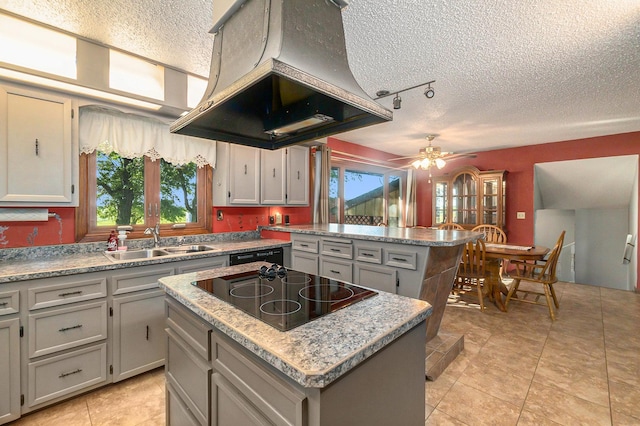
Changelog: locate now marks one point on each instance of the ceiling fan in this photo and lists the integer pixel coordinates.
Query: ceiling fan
(428, 157)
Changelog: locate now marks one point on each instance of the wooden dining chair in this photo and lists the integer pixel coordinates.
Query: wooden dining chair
(492, 233)
(541, 272)
(450, 226)
(472, 270)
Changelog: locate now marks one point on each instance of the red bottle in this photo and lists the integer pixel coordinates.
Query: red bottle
(112, 242)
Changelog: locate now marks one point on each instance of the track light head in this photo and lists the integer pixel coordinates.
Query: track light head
(429, 93)
(397, 101)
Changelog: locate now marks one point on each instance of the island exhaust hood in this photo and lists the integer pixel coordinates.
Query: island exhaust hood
(279, 76)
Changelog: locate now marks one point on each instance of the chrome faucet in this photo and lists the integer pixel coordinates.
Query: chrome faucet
(155, 231)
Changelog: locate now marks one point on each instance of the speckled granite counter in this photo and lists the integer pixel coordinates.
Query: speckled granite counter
(411, 236)
(314, 354)
(53, 261)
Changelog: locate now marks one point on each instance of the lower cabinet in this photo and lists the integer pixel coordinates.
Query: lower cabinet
(376, 277)
(9, 370)
(138, 333)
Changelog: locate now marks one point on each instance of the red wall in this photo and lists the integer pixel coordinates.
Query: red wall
(519, 164)
(249, 218)
(57, 230)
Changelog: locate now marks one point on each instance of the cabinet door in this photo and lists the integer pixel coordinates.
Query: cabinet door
(138, 333)
(36, 145)
(376, 277)
(9, 370)
(230, 407)
(244, 175)
(272, 179)
(298, 175)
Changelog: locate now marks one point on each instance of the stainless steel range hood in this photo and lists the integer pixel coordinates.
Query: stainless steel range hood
(279, 76)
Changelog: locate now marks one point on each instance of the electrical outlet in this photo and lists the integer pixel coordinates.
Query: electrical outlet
(219, 214)
(520, 215)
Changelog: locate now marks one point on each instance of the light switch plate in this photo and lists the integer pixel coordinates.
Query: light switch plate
(520, 215)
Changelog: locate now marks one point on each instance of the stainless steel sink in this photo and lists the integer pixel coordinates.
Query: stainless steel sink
(189, 249)
(136, 254)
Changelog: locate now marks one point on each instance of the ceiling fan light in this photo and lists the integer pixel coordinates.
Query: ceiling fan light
(425, 164)
(440, 163)
(416, 164)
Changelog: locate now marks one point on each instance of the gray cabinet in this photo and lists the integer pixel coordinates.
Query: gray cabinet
(297, 175)
(376, 277)
(138, 333)
(38, 142)
(138, 320)
(251, 176)
(9, 369)
(273, 169)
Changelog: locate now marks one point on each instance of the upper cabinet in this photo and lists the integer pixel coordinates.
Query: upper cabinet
(297, 175)
(38, 146)
(470, 197)
(251, 176)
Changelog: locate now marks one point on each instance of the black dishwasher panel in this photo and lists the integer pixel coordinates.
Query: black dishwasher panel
(273, 255)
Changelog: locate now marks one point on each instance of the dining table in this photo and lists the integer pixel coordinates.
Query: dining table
(496, 254)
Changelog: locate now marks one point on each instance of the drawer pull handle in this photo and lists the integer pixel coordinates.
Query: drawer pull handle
(334, 249)
(73, 327)
(367, 254)
(76, 371)
(304, 245)
(147, 332)
(334, 271)
(399, 259)
(3, 304)
(70, 293)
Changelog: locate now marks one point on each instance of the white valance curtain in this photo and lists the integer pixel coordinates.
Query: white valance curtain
(130, 135)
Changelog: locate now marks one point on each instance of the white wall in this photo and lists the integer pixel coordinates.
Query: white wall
(548, 226)
(601, 235)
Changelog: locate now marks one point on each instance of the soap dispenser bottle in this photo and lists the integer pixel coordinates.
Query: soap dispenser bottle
(122, 240)
(112, 242)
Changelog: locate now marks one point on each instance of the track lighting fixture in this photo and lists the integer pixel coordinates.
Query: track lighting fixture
(428, 92)
(397, 101)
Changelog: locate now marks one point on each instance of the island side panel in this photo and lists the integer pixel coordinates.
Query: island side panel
(440, 274)
(388, 389)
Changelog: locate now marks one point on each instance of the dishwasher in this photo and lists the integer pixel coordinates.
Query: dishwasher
(272, 255)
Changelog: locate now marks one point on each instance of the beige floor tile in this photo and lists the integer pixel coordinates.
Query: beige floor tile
(563, 408)
(438, 418)
(624, 399)
(529, 418)
(68, 413)
(467, 404)
(505, 385)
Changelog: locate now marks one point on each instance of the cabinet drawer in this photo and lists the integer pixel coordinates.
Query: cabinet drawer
(305, 244)
(369, 254)
(341, 271)
(337, 248)
(276, 399)
(139, 280)
(60, 329)
(189, 375)
(9, 302)
(400, 259)
(68, 291)
(190, 328)
(177, 411)
(60, 375)
(305, 262)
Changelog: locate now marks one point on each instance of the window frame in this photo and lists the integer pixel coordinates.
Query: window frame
(353, 166)
(87, 231)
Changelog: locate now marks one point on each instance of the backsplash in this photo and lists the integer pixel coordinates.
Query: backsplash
(80, 248)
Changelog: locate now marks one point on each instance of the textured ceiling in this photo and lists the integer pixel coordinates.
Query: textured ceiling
(507, 73)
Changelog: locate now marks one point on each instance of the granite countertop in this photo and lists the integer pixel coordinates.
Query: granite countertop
(47, 262)
(313, 354)
(412, 236)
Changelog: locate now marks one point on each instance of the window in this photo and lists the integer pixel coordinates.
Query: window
(141, 192)
(370, 197)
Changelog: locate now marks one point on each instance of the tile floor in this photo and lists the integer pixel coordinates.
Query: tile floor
(517, 368)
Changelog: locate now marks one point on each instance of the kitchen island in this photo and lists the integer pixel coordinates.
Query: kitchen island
(363, 364)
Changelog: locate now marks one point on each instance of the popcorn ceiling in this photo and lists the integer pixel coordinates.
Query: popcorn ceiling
(507, 73)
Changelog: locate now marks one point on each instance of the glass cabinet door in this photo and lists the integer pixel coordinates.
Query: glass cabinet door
(464, 199)
(441, 198)
(490, 198)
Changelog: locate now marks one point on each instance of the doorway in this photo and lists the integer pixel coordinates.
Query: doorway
(596, 202)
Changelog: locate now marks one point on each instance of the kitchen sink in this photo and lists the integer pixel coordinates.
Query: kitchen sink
(136, 254)
(189, 249)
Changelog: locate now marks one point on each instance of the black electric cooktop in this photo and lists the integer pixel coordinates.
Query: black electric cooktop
(284, 298)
